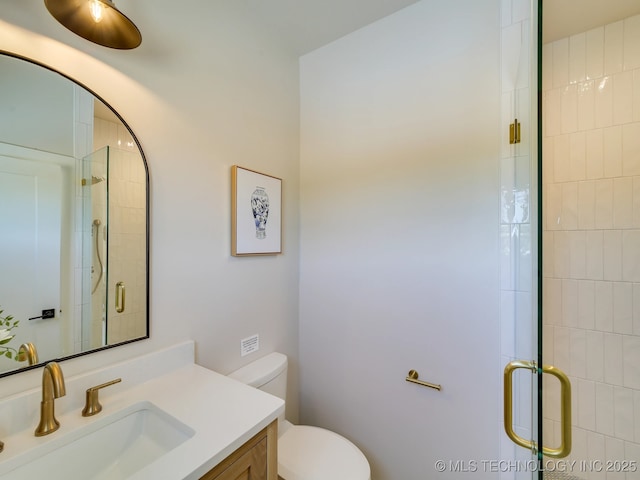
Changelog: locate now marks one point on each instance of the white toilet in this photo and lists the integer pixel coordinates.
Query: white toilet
(304, 452)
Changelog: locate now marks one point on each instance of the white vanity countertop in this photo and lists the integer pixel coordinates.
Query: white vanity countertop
(222, 412)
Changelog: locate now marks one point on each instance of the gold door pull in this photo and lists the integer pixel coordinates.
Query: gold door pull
(413, 378)
(92, 405)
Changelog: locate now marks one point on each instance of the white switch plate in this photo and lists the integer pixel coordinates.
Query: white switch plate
(249, 345)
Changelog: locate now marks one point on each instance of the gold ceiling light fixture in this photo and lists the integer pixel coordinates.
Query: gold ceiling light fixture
(99, 21)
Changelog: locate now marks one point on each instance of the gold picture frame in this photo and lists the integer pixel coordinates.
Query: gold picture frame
(256, 213)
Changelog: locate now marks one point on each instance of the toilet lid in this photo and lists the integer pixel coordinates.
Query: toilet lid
(312, 453)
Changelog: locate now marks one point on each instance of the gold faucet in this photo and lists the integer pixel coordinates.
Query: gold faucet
(52, 387)
(28, 352)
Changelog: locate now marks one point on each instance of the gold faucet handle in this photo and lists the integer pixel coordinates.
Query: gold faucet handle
(92, 405)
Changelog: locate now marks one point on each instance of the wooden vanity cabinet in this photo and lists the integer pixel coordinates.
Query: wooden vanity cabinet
(257, 459)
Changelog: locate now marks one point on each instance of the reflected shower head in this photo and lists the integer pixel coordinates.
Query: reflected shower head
(94, 180)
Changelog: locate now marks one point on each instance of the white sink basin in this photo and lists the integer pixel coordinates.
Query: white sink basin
(113, 448)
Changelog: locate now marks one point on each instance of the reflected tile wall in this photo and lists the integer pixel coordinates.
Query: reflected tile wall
(591, 237)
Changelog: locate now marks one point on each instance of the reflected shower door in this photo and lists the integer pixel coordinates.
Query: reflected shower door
(95, 217)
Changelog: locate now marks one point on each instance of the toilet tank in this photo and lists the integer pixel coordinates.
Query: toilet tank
(268, 374)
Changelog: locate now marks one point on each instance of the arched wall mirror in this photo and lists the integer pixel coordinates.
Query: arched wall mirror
(74, 220)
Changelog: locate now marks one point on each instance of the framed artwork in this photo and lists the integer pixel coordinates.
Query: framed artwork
(256, 213)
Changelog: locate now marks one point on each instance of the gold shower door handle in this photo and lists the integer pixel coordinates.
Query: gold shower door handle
(565, 413)
(120, 297)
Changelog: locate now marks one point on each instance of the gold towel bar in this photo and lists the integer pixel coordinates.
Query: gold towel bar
(413, 378)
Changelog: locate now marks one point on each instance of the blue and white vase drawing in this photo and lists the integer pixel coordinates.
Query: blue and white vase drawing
(260, 207)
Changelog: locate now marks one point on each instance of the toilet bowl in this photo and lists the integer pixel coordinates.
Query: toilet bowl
(304, 452)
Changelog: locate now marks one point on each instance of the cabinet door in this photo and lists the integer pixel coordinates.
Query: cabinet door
(255, 460)
(250, 466)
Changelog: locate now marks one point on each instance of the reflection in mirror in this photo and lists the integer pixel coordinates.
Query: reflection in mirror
(74, 217)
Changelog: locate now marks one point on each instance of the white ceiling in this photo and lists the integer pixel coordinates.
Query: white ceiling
(562, 18)
(306, 25)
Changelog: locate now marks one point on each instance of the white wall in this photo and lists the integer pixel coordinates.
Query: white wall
(592, 237)
(209, 92)
(400, 266)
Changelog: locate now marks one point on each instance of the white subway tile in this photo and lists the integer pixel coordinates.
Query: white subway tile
(595, 153)
(623, 202)
(631, 255)
(507, 324)
(552, 112)
(604, 102)
(586, 105)
(511, 44)
(615, 453)
(631, 353)
(622, 94)
(578, 248)
(521, 10)
(578, 349)
(632, 454)
(553, 301)
(636, 408)
(569, 303)
(547, 258)
(636, 202)
(562, 254)
(604, 409)
(524, 325)
(636, 95)
(561, 354)
(547, 160)
(622, 307)
(632, 42)
(613, 365)
(569, 206)
(561, 155)
(577, 58)
(586, 304)
(636, 310)
(569, 109)
(587, 205)
(604, 306)
(613, 47)
(596, 451)
(604, 203)
(631, 149)
(595, 359)
(505, 13)
(547, 67)
(586, 414)
(612, 264)
(547, 345)
(578, 156)
(507, 251)
(560, 63)
(612, 137)
(623, 408)
(553, 199)
(595, 255)
(595, 53)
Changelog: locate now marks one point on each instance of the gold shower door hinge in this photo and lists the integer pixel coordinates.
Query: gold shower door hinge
(514, 132)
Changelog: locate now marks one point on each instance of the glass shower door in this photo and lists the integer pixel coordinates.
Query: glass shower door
(591, 244)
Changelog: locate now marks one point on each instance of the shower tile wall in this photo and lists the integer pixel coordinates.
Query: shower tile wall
(127, 236)
(516, 216)
(591, 238)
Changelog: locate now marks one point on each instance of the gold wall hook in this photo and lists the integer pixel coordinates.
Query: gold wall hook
(412, 377)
